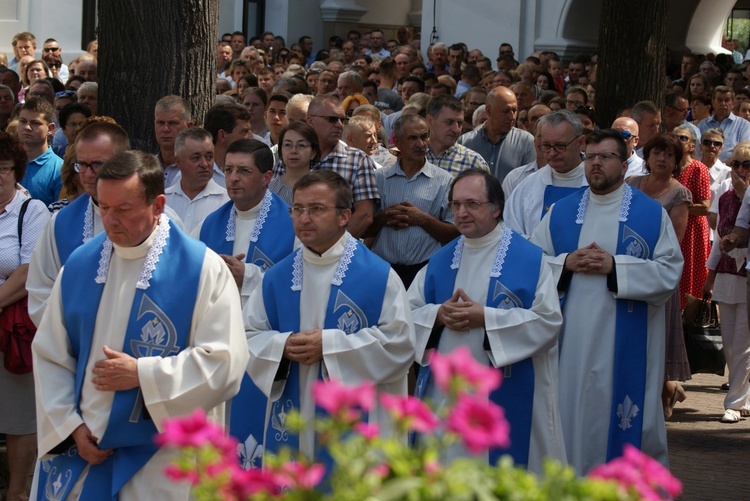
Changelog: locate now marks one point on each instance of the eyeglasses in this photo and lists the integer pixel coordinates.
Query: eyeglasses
(626, 134)
(708, 143)
(53, 65)
(296, 211)
(332, 119)
(560, 148)
(683, 138)
(684, 112)
(6, 169)
(82, 166)
(288, 145)
(604, 156)
(241, 171)
(737, 164)
(51, 49)
(570, 102)
(469, 205)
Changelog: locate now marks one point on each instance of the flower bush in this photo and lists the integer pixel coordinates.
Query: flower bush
(367, 466)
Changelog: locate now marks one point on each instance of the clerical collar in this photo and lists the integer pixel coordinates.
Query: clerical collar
(609, 198)
(329, 256)
(574, 173)
(490, 238)
(251, 213)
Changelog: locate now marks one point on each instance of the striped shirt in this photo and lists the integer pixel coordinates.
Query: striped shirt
(428, 190)
(457, 158)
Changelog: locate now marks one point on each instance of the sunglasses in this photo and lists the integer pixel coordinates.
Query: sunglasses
(626, 134)
(708, 143)
(737, 164)
(684, 139)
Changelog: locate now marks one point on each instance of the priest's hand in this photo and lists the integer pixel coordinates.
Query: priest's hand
(589, 259)
(237, 266)
(87, 446)
(118, 372)
(305, 347)
(460, 312)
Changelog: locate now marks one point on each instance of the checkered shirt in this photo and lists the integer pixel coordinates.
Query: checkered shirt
(458, 158)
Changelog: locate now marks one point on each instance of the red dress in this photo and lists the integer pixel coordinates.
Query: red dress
(695, 245)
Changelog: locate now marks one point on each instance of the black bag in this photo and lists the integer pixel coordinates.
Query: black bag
(703, 341)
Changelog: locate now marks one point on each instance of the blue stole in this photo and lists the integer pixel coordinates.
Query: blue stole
(639, 229)
(351, 307)
(554, 193)
(69, 226)
(514, 287)
(275, 235)
(158, 325)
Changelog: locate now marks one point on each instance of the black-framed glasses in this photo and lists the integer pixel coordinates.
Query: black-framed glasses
(332, 119)
(737, 164)
(296, 211)
(708, 143)
(684, 112)
(82, 166)
(560, 148)
(604, 156)
(51, 49)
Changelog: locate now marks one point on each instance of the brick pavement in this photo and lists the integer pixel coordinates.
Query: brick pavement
(712, 459)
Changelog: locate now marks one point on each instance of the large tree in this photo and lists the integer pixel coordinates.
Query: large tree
(632, 47)
(148, 50)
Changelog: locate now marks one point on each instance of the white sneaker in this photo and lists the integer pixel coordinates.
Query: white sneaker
(731, 416)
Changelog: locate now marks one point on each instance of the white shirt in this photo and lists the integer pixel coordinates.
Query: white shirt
(194, 211)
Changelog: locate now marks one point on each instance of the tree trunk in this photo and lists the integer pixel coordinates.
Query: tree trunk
(148, 50)
(631, 66)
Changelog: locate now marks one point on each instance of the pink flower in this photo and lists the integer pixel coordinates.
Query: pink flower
(368, 430)
(195, 431)
(414, 413)
(381, 471)
(296, 475)
(177, 474)
(480, 423)
(340, 400)
(460, 371)
(638, 471)
(246, 483)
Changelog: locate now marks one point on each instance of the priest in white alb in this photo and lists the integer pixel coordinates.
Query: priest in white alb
(616, 261)
(491, 290)
(143, 324)
(331, 310)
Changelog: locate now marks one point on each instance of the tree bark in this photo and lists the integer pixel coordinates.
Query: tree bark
(148, 50)
(631, 66)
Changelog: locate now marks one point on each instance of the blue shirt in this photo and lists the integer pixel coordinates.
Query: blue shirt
(43, 178)
(736, 130)
(513, 150)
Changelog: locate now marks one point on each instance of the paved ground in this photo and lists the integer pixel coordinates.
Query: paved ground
(712, 459)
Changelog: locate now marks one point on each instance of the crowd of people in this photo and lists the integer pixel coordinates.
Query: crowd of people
(344, 213)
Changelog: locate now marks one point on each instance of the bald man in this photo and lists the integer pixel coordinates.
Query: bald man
(500, 143)
(629, 130)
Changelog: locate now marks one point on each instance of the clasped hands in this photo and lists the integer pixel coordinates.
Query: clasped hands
(304, 347)
(590, 259)
(400, 216)
(460, 313)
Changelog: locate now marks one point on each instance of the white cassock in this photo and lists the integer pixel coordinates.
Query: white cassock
(517, 175)
(588, 333)
(205, 374)
(244, 226)
(45, 262)
(381, 354)
(514, 335)
(523, 209)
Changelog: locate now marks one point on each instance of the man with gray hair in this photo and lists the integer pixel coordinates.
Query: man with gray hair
(171, 116)
(648, 117)
(562, 142)
(414, 221)
(349, 82)
(360, 133)
(195, 194)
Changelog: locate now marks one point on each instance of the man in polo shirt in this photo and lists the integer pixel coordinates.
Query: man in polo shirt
(736, 129)
(35, 127)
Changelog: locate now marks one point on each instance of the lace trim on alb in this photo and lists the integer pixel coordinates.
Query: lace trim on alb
(583, 205)
(341, 268)
(88, 223)
(265, 206)
(152, 258)
(502, 250)
(297, 271)
(231, 225)
(457, 253)
(625, 207)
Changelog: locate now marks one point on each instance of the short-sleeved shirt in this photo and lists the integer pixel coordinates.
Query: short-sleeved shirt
(457, 158)
(43, 178)
(34, 221)
(514, 150)
(736, 130)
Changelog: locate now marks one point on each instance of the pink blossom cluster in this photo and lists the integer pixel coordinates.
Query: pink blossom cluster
(640, 472)
(458, 372)
(195, 432)
(344, 403)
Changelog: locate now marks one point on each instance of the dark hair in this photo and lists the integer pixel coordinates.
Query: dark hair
(259, 93)
(260, 152)
(11, 149)
(306, 132)
(69, 109)
(117, 135)
(665, 142)
(415, 79)
(494, 189)
(598, 136)
(334, 181)
(145, 165)
(251, 80)
(39, 105)
(195, 133)
(437, 103)
(398, 125)
(224, 117)
(74, 78)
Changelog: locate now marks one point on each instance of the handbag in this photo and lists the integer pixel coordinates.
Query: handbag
(16, 328)
(703, 341)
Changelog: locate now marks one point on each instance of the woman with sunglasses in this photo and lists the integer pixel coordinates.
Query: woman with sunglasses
(693, 174)
(663, 155)
(726, 283)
